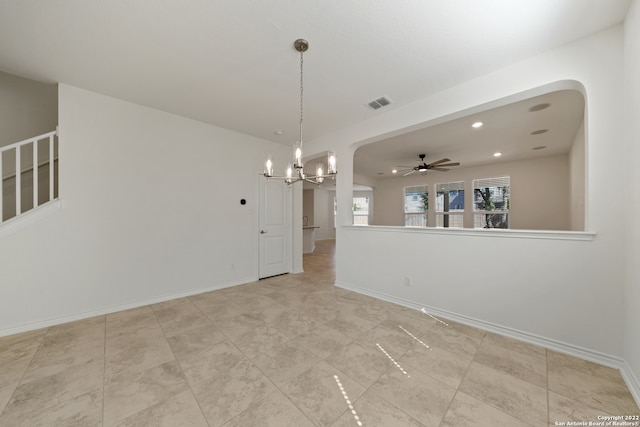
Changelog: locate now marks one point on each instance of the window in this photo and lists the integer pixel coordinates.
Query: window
(416, 205)
(450, 205)
(491, 199)
(361, 211)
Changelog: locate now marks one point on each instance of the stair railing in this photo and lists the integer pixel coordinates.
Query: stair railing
(21, 169)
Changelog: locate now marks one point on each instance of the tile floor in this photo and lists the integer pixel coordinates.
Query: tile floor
(296, 351)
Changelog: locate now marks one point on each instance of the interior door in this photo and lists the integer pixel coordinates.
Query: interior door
(274, 227)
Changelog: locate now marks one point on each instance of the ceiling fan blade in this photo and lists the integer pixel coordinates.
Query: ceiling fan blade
(447, 164)
(437, 162)
(439, 169)
(410, 172)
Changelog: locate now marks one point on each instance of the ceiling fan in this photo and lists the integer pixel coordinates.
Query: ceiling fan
(439, 165)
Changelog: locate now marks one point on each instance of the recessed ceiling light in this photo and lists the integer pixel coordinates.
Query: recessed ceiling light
(394, 171)
(380, 173)
(539, 147)
(539, 107)
(278, 132)
(539, 131)
(477, 125)
(498, 154)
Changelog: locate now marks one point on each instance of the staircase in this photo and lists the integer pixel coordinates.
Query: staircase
(29, 172)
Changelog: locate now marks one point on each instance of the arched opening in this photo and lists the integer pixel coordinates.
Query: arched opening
(519, 163)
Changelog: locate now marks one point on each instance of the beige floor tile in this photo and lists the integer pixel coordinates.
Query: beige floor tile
(180, 318)
(220, 311)
(394, 340)
(367, 311)
(351, 325)
(228, 395)
(168, 304)
(291, 323)
(565, 409)
(321, 311)
(420, 396)
(516, 397)
(317, 393)
(284, 362)
(136, 353)
(323, 340)
(85, 409)
(57, 355)
(513, 344)
(451, 340)
(128, 393)
(195, 340)
(210, 362)
(599, 391)
(559, 361)
(417, 323)
(465, 411)
(526, 366)
(6, 391)
(352, 297)
(181, 410)
(373, 411)
(250, 335)
(213, 298)
(273, 411)
(76, 337)
(437, 363)
(137, 321)
(473, 332)
(251, 301)
(363, 363)
(69, 397)
(16, 353)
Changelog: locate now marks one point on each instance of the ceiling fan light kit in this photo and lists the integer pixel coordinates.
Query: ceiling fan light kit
(295, 170)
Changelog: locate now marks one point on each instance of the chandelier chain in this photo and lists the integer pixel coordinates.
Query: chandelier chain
(301, 92)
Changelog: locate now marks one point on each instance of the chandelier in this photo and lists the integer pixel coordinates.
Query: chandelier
(295, 171)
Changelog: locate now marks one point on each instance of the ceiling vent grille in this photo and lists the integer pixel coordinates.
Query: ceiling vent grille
(376, 104)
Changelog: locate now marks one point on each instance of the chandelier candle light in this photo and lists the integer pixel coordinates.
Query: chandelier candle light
(296, 168)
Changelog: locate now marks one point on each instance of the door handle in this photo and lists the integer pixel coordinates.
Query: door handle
(263, 232)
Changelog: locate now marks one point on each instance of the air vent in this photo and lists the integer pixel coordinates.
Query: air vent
(379, 103)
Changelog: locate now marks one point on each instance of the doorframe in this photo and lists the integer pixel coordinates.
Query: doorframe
(295, 231)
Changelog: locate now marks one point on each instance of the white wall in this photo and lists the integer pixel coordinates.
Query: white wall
(577, 179)
(323, 213)
(565, 291)
(27, 108)
(632, 195)
(151, 209)
(308, 206)
(539, 193)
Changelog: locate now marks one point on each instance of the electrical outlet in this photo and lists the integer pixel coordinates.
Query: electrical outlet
(407, 281)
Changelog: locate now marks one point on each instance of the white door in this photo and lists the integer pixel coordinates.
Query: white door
(275, 227)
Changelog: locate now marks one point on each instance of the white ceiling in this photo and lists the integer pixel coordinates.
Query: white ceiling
(231, 62)
(507, 130)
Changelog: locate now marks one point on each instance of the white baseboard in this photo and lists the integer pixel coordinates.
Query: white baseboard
(114, 309)
(30, 217)
(582, 353)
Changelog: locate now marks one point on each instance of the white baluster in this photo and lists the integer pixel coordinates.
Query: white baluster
(50, 167)
(18, 182)
(35, 174)
(1, 188)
